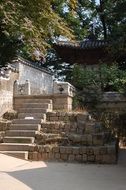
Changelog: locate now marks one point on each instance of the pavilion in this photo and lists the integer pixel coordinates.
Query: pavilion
(88, 52)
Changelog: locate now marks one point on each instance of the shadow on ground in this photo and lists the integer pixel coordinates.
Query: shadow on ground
(62, 176)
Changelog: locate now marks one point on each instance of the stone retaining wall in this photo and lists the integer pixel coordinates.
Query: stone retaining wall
(100, 155)
(4, 125)
(67, 116)
(71, 122)
(74, 137)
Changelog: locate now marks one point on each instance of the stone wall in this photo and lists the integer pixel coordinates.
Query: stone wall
(110, 101)
(4, 125)
(5, 122)
(101, 154)
(71, 122)
(41, 80)
(74, 137)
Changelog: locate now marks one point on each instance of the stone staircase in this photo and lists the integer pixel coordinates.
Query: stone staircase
(74, 137)
(39, 133)
(20, 138)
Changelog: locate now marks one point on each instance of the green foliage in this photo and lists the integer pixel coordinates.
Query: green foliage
(61, 70)
(113, 120)
(102, 77)
(8, 46)
(37, 22)
(90, 83)
(34, 22)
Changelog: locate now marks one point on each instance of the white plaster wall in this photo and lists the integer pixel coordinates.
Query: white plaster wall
(40, 81)
(6, 93)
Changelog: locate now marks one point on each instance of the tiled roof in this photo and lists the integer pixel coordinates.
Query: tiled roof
(93, 44)
(32, 64)
(86, 44)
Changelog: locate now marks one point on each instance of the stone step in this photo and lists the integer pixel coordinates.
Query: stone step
(22, 133)
(17, 154)
(27, 121)
(16, 147)
(37, 105)
(52, 127)
(32, 115)
(32, 110)
(47, 138)
(18, 139)
(38, 100)
(52, 123)
(36, 127)
(33, 100)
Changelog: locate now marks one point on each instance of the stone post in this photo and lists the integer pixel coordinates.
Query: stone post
(27, 87)
(22, 89)
(63, 96)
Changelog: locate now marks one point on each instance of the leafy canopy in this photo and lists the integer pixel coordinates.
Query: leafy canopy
(32, 22)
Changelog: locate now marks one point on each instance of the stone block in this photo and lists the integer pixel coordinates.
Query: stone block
(30, 156)
(99, 158)
(62, 150)
(89, 128)
(91, 158)
(96, 150)
(4, 125)
(60, 113)
(89, 140)
(84, 139)
(81, 125)
(75, 138)
(80, 131)
(39, 156)
(51, 156)
(82, 116)
(76, 150)
(84, 157)
(73, 117)
(103, 150)
(111, 150)
(109, 159)
(56, 149)
(40, 148)
(10, 115)
(71, 157)
(79, 158)
(51, 114)
(54, 118)
(56, 126)
(35, 156)
(2, 134)
(90, 151)
(98, 139)
(47, 149)
(36, 148)
(72, 131)
(57, 155)
(65, 118)
(64, 157)
(83, 150)
(45, 156)
(68, 150)
(67, 126)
